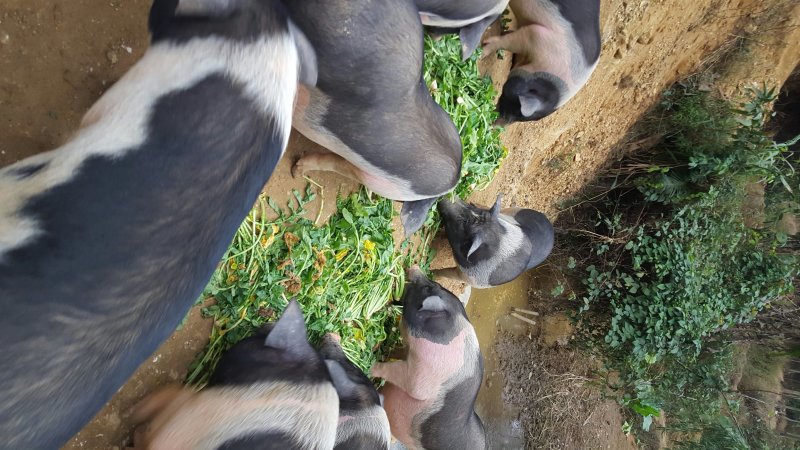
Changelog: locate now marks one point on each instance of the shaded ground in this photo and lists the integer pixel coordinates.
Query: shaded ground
(58, 56)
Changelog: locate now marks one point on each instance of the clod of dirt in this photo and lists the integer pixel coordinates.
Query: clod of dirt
(112, 57)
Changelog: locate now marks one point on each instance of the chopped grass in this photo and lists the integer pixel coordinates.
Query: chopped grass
(347, 272)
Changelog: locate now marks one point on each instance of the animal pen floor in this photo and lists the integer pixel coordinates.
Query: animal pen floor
(57, 57)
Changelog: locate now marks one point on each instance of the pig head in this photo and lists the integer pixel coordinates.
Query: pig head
(430, 396)
(269, 391)
(494, 246)
(107, 241)
(556, 48)
(468, 18)
(363, 424)
(370, 106)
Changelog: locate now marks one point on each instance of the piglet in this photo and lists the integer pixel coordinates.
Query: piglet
(556, 48)
(468, 18)
(107, 241)
(269, 391)
(363, 424)
(494, 246)
(430, 396)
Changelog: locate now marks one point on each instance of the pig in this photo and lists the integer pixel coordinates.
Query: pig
(493, 246)
(556, 47)
(468, 18)
(108, 240)
(371, 107)
(269, 391)
(363, 424)
(430, 396)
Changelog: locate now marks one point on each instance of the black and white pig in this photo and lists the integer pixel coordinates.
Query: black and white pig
(556, 47)
(430, 396)
(269, 391)
(493, 246)
(363, 424)
(370, 106)
(468, 18)
(107, 241)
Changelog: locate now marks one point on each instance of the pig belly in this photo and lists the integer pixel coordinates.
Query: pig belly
(402, 409)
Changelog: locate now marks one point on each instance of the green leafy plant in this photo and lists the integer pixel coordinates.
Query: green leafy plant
(677, 262)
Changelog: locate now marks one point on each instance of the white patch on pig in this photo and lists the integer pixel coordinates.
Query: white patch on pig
(434, 20)
(513, 238)
(371, 421)
(267, 69)
(307, 413)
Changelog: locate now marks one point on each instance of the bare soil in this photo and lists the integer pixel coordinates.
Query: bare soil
(57, 57)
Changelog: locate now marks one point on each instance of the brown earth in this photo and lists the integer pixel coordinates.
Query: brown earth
(57, 57)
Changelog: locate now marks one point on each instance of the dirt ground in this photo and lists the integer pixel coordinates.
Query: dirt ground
(57, 57)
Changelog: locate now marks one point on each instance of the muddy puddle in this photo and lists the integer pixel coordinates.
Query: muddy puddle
(490, 311)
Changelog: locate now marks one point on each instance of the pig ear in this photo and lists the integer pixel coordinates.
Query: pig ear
(306, 55)
(289, 333)
(477, 241)
(529, 105)
(434, 303)
(345, 387)
(471, 35)
(497, 206)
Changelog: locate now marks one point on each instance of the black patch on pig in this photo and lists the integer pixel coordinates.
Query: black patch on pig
(362, 442)
(246, 22)
(127, 246)
(545, 87)
(250, 361)
(539, 231)
(263, 441)
(584, 16)
(23, 172)
(457, 413)
(379, 105)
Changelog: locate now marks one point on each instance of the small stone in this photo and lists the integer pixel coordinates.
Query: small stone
(127, 49)
(577, 157)
(112, 57)
(4, 38)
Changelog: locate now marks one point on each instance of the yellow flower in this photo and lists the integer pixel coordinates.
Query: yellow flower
(358, 334)
(369, 245)
(266, 241)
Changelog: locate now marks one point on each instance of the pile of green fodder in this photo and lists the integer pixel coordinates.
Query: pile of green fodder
(346, 273)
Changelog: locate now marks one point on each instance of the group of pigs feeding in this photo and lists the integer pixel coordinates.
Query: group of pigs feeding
(106, 242)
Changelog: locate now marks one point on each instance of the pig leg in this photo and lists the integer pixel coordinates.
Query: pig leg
(517, 42)
(329, 162)
(451, 273)
(399, 374)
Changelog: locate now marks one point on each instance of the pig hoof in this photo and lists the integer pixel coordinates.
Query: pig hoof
(298, 169)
